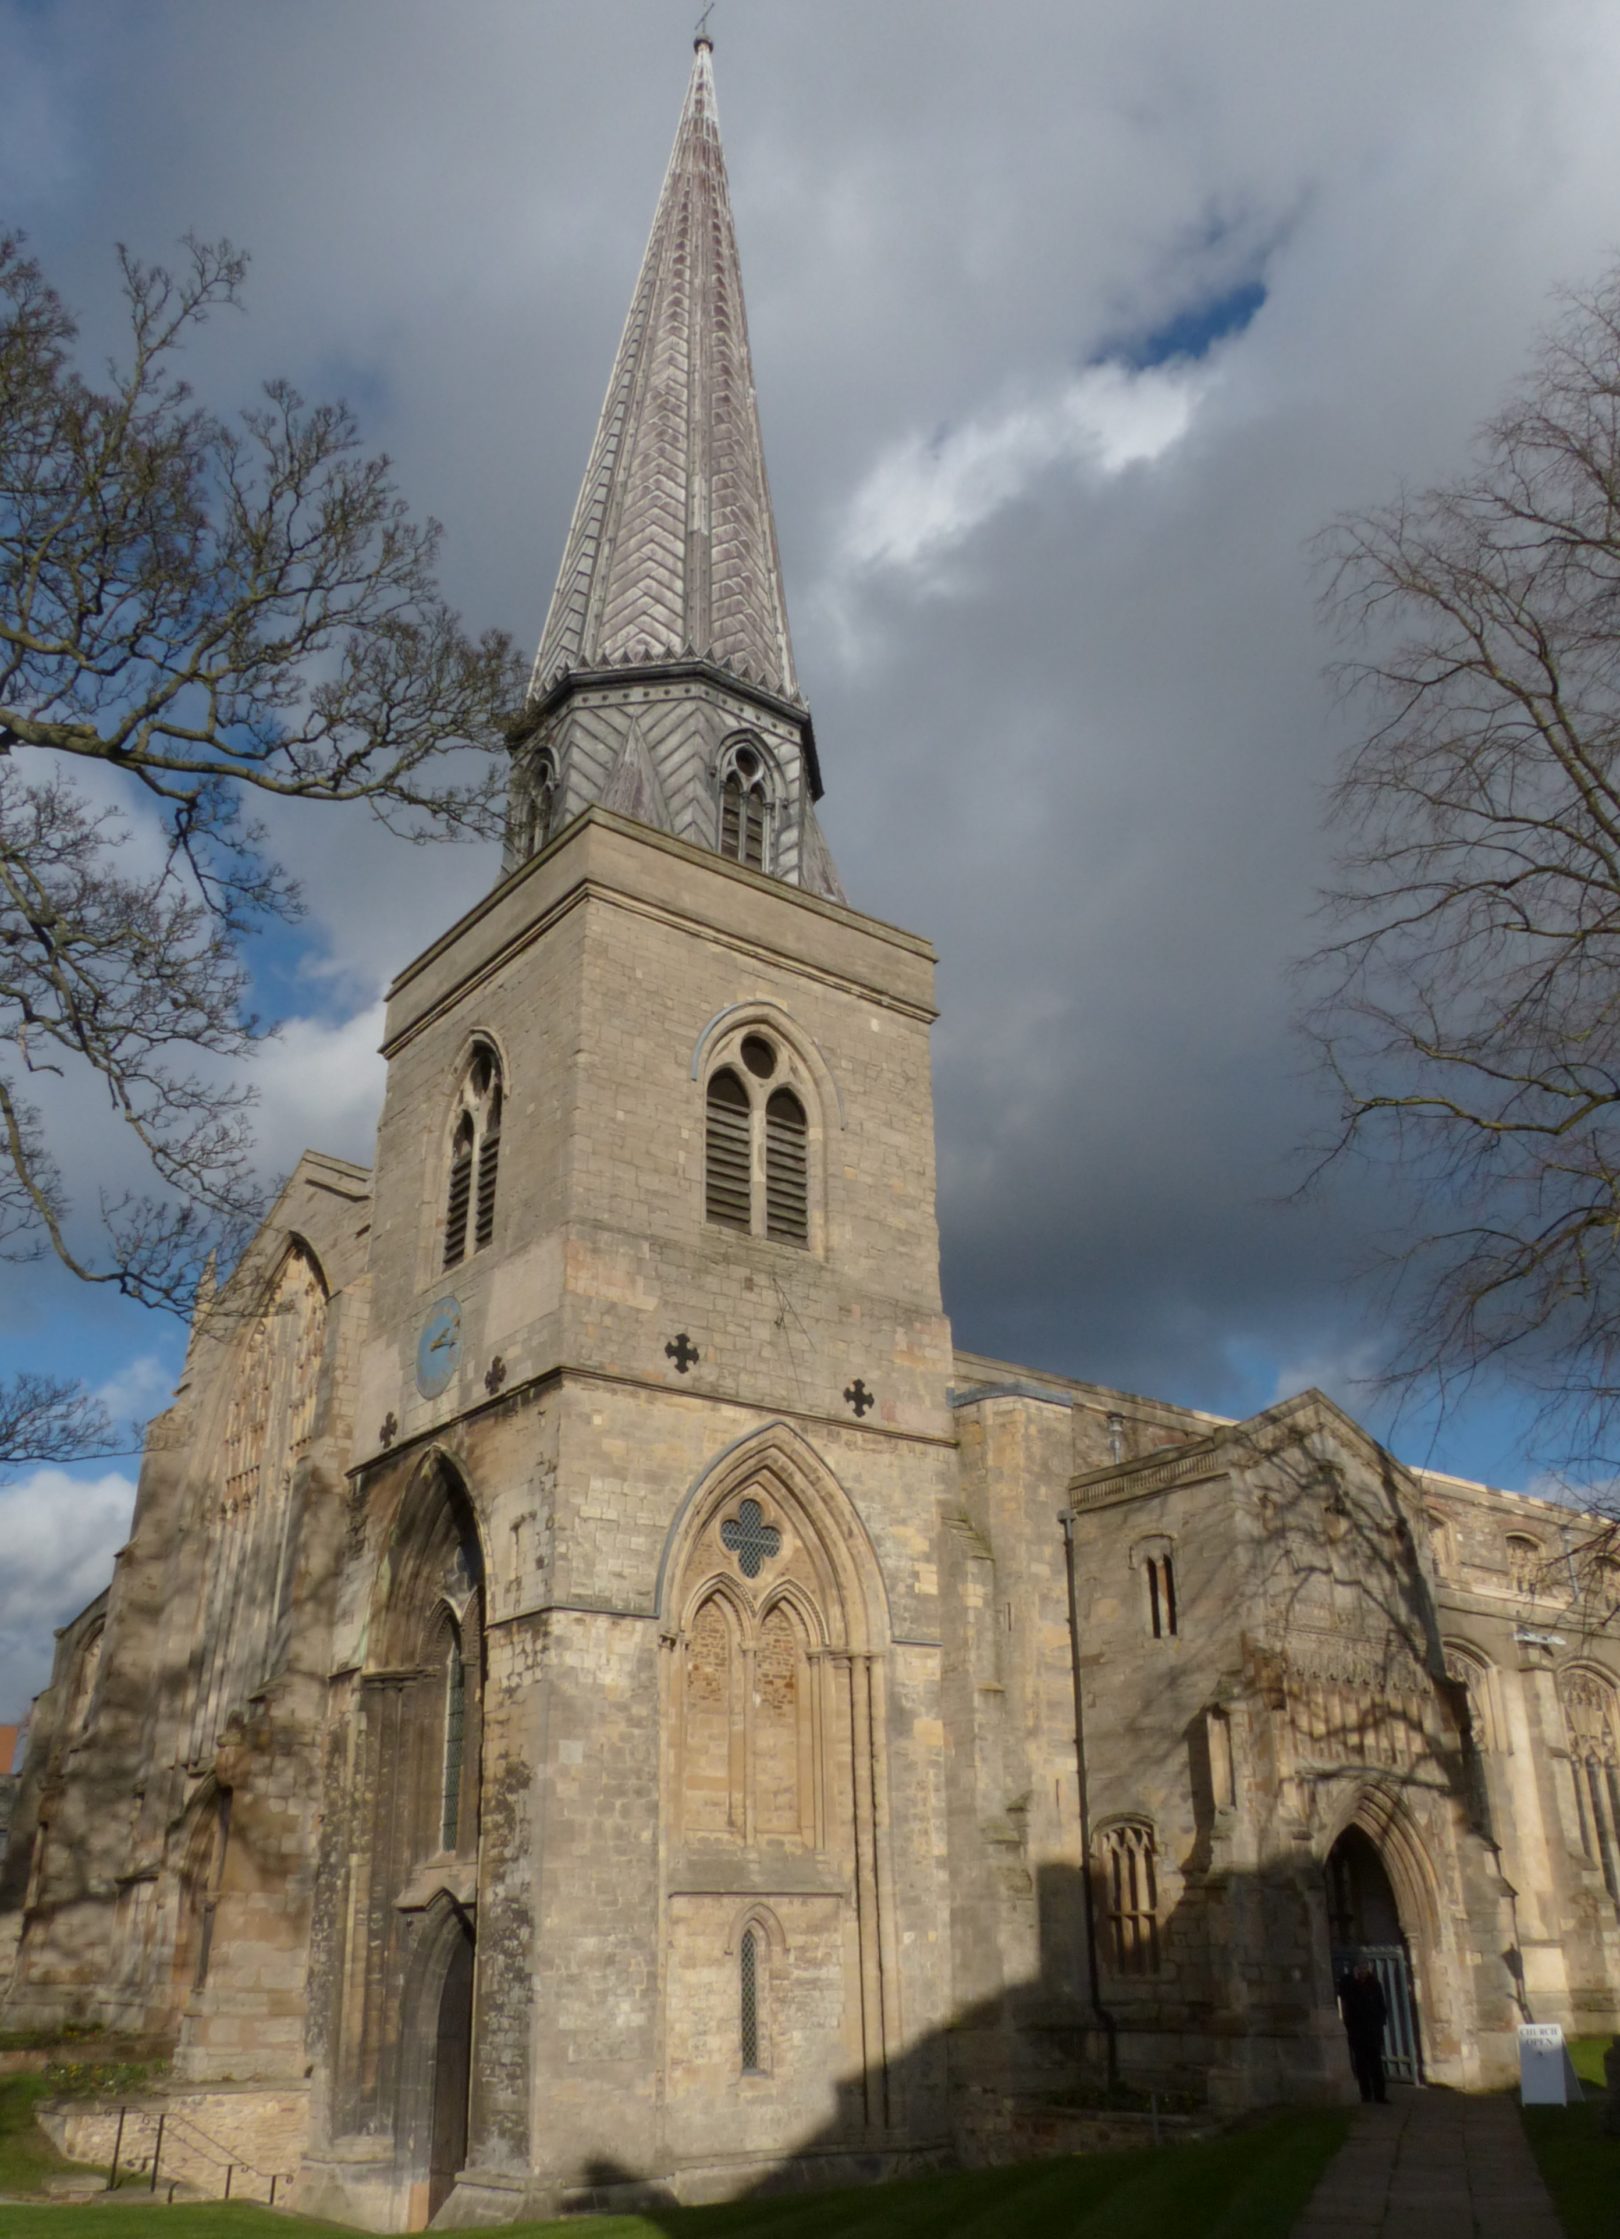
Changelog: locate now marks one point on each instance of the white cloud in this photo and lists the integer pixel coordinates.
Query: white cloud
(138, 1389)
(320, 1086)
(1345, 1373)
(58, 1536)
(926, 496)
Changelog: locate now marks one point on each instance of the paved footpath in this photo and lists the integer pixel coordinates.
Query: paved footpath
(1433, 2165)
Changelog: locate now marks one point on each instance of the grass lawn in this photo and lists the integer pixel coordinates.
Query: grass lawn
(1251, 2185)
(26, 2154)
(1580, 2165)
(1586, 2053)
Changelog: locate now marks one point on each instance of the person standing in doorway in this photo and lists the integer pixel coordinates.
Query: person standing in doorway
(1361, 2004)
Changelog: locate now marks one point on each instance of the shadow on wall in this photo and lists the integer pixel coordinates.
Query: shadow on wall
(1028, 2070)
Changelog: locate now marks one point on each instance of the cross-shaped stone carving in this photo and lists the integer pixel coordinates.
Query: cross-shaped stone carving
(390, 1429)
(750, 1538)
(682, 1352)
(859, 1397)
(495, 1376)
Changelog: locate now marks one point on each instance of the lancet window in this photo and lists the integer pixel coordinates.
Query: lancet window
(1155, 1558)
(1592, 1717)
(748, 1989)
(475, 1156)
(455, 1735)
(1161, 1588)
(1128, 1871)
(250, 1549)
(757, 1142)
(745, 805)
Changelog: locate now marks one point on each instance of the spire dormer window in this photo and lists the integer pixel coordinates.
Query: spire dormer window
(744, 805)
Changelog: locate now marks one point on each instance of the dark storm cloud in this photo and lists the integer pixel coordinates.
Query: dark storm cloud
(1051, 608)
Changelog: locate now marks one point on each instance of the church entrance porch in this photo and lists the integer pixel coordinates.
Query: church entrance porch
(452, 2076)
(1364, 1925)
(436, 2062)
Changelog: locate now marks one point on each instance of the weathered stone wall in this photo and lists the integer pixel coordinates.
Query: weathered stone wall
(250, 2134)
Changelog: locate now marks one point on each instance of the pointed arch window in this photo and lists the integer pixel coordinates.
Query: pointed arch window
(748, 1727)
(758, 1143)
(1592, 1718)
(475, 1154)
(745, 804)
(1128, 1863)
(249, 1558)
(455, 1736)
(728, 1153)
(748, 1989)
(1155, 1557)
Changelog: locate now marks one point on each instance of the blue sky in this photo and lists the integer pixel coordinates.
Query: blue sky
(1071, 325)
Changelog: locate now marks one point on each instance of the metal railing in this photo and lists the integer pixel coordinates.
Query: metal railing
(169, 2124)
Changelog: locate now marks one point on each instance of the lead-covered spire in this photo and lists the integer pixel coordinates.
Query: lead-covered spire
(664, 687)
(673, 549)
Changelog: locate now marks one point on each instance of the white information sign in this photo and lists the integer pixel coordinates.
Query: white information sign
(1546, 2073)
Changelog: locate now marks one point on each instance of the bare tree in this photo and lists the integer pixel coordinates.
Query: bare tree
(1468, 1002)
(206, 610)
(48, 1419)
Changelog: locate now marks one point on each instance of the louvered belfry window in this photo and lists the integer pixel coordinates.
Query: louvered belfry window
(489, 1158)
(460, 1199)
(729, 1157)
(757, 1147)
(787, 1169)
(475, 1153)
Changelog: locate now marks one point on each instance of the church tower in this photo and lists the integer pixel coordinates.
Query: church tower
(635, 1867)
(664, 684)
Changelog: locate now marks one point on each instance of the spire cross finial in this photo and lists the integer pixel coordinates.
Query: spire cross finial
(703, 36)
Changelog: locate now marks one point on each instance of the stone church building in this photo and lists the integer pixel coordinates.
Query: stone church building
(602, 1698)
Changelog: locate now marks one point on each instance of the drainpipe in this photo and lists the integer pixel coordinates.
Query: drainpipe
(1105, 2019)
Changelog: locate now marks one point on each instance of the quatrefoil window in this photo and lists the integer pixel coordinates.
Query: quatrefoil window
(750, 1538)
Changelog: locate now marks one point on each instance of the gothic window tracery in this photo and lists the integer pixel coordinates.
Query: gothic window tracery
(475, 1153)
(1128, 1869)
(1592, 1719)
(250, 1549)
(1472, 1672)
(745, 804)
(758, 1140)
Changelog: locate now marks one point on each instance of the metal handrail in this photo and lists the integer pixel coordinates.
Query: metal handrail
(199, 2140)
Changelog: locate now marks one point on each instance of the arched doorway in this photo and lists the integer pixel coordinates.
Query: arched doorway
(1364, 1923)
(452, 2074)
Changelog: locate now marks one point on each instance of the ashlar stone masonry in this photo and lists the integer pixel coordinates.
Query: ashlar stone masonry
(601, 1700)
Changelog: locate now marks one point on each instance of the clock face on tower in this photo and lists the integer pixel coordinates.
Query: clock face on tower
(438, 1348)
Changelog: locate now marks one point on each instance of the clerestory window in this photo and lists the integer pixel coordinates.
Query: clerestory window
(475, 1156)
